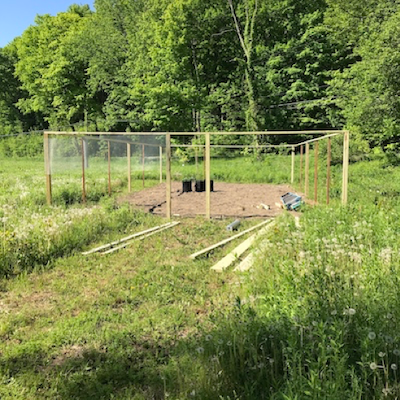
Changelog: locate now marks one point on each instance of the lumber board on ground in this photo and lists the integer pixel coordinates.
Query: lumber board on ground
(230, 258)
(248, 261)
(222, 242)
(124, 239)
(126, 244)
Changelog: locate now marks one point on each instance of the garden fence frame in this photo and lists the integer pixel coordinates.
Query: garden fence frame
(304, 148)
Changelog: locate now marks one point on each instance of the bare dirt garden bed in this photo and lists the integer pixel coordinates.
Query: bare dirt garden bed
(227, 200)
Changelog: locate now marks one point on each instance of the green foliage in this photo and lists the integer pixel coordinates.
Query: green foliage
(52, 67)
(191, 65)
(367, 90)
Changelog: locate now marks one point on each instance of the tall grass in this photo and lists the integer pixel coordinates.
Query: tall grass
(32, 233)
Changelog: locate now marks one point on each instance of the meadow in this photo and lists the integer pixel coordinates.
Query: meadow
(317, 317)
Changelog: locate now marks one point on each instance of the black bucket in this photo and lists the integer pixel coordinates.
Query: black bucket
(200, 186)
(186, 186)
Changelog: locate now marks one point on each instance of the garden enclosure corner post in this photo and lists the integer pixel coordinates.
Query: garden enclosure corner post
(306, 172)
(128, 155)
(83, 149)
(168, 172)
(47, 167)
(345, 179)
(208, 176)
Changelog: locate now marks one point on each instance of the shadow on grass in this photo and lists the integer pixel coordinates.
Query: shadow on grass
(237, 357)
(244, 357)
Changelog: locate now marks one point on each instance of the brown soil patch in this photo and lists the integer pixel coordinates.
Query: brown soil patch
(227, 200)
(68, 353)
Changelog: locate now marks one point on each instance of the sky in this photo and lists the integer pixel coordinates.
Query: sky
(17, 15)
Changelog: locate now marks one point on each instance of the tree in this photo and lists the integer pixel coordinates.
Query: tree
(52, 68)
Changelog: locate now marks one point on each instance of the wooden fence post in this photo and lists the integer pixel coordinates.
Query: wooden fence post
(83, 170)
(143, 165)
(161, 164)
(109, 168)
(168, 173)
(306, 172)
(301, 163)
(129, 155)
(328, 170)
(208, 175)
(345, 180)
(47, 167)
(293, 160)
(316, 172)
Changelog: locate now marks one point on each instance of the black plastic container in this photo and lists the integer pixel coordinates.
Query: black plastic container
(186, 186)
(200, 186)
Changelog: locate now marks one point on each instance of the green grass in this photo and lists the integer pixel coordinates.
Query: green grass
(316, 318)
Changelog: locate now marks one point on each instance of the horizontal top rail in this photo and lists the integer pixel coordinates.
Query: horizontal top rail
(314, 132)
(122, 141)
(234, 146)
(320, 138)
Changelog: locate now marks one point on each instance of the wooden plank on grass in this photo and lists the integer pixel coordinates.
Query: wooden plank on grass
(222, 242)
(126, 244)
(230, 258)
(124, 239)
(248, 261)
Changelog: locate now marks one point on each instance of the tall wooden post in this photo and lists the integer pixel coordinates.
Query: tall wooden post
(168, 173)
(307, 171)
(47, 167)
(143, 164)
(345, 179)
(161, 164)
(109, 168)
(196, 159)
(328, 170)
(208, 175)
(86, 152)
(129, 156)
(316, 172)
(301, 163)
(83, 170)
(292, 175)
(204, 161)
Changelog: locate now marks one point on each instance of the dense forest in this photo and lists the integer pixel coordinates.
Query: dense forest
(208, 65)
